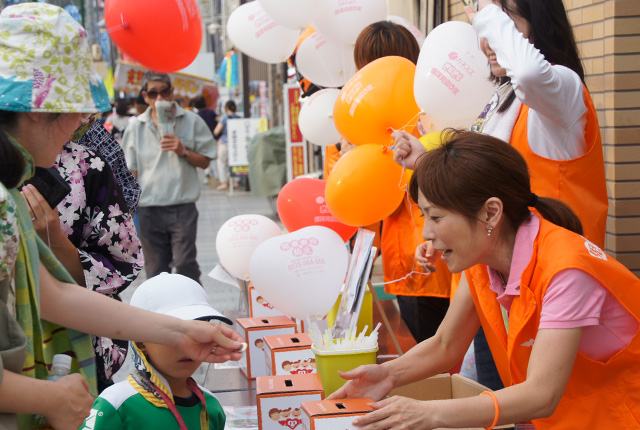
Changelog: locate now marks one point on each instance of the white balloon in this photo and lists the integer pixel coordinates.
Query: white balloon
(324, 63)
(452, 73)
(301, 273)
(239, 237)
(256, 34)
(294, 14)
(341, 21)
(316, 118)
(409, 26)
(431, 124)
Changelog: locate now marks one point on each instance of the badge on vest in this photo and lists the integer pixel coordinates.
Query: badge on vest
(595, 251)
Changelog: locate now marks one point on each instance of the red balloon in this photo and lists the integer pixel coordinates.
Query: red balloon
(301, 203)
(162, 35)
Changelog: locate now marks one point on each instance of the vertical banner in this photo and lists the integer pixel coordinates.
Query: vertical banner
(240, 132)
(296, 145)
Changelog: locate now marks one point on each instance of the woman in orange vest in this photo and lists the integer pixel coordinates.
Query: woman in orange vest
(423, 298)
(566, 315)
(543, 109)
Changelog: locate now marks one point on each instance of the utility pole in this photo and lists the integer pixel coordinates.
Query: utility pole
(244, 61)
(90, 19)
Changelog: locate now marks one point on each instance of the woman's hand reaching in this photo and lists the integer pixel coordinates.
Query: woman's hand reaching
(372, 380)
(407, 149)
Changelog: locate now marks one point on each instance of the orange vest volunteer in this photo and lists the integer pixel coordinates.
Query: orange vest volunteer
(599, 395)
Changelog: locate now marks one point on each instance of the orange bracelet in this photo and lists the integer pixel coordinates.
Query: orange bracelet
(497, 409)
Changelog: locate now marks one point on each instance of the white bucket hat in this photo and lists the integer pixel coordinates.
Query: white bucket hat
(177, 296)
(46, 64)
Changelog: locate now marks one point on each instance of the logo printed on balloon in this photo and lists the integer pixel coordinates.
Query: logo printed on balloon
(300, 247)
(358, 99)
(243, 224)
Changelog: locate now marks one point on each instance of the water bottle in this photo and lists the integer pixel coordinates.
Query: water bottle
(60, 367)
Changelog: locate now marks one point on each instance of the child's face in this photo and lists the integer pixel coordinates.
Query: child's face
(171, 363)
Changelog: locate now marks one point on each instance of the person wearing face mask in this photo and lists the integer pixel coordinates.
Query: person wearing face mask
(542, 108)
(566, 314)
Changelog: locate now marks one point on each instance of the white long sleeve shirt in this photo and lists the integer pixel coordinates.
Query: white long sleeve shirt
(553, 93)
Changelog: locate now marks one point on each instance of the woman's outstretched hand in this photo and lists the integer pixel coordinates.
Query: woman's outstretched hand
(210, 342)
(407, 149)
(372, 380)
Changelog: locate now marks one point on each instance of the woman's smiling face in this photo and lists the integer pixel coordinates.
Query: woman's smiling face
(460, 242)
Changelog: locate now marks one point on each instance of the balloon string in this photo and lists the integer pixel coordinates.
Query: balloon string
(405, 188)
(415, 235)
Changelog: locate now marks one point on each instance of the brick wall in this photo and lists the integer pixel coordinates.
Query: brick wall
(608, 35)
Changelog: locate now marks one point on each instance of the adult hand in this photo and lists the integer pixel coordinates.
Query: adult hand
(171, 142)
(471, 13)
(46, 220)
(72, 404)
(211, 342)
(397, 413)
(426, 256)
(407, 149)
(371, 380)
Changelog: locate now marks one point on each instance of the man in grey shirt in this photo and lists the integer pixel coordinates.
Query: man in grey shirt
(165, 165)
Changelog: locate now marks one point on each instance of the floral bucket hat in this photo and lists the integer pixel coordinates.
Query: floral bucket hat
(46, 64)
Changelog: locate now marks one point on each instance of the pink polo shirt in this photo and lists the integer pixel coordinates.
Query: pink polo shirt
(573, 299)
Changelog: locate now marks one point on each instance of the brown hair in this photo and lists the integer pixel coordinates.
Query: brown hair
(468, 169)
(382, 39)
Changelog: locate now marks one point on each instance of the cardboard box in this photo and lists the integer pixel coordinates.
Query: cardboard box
(289, 354)
(334, 414)
(252, 363)
(442, 387)
(279, 399)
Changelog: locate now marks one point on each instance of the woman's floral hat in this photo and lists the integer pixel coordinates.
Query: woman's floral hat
(46, 64)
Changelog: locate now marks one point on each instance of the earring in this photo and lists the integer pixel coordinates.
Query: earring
(489, 231)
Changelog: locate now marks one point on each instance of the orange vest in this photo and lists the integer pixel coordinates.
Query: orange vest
(401, 234)
(598, 395)
(580, 182)
(331, 157)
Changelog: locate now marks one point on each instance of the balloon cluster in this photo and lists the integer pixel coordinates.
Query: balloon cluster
(300, 273)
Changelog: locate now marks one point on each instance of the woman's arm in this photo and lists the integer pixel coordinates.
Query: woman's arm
(430, 357)
(550, 366)
(554, 91)
(91, 312)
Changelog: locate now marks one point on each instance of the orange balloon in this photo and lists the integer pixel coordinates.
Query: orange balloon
(377, 100)
(365, 186)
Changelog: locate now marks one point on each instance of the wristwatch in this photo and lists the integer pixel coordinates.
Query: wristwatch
(186, 153)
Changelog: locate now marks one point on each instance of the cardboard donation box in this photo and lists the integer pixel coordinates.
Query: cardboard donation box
(259, 307)
(279, 398)
(289, 354)
(253, 330)
(334, 414)
(442, 387)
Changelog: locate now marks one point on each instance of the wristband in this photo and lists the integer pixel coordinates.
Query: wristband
(186, 153)
(497, 409)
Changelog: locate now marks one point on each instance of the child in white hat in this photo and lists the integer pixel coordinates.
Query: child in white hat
(160, 392)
